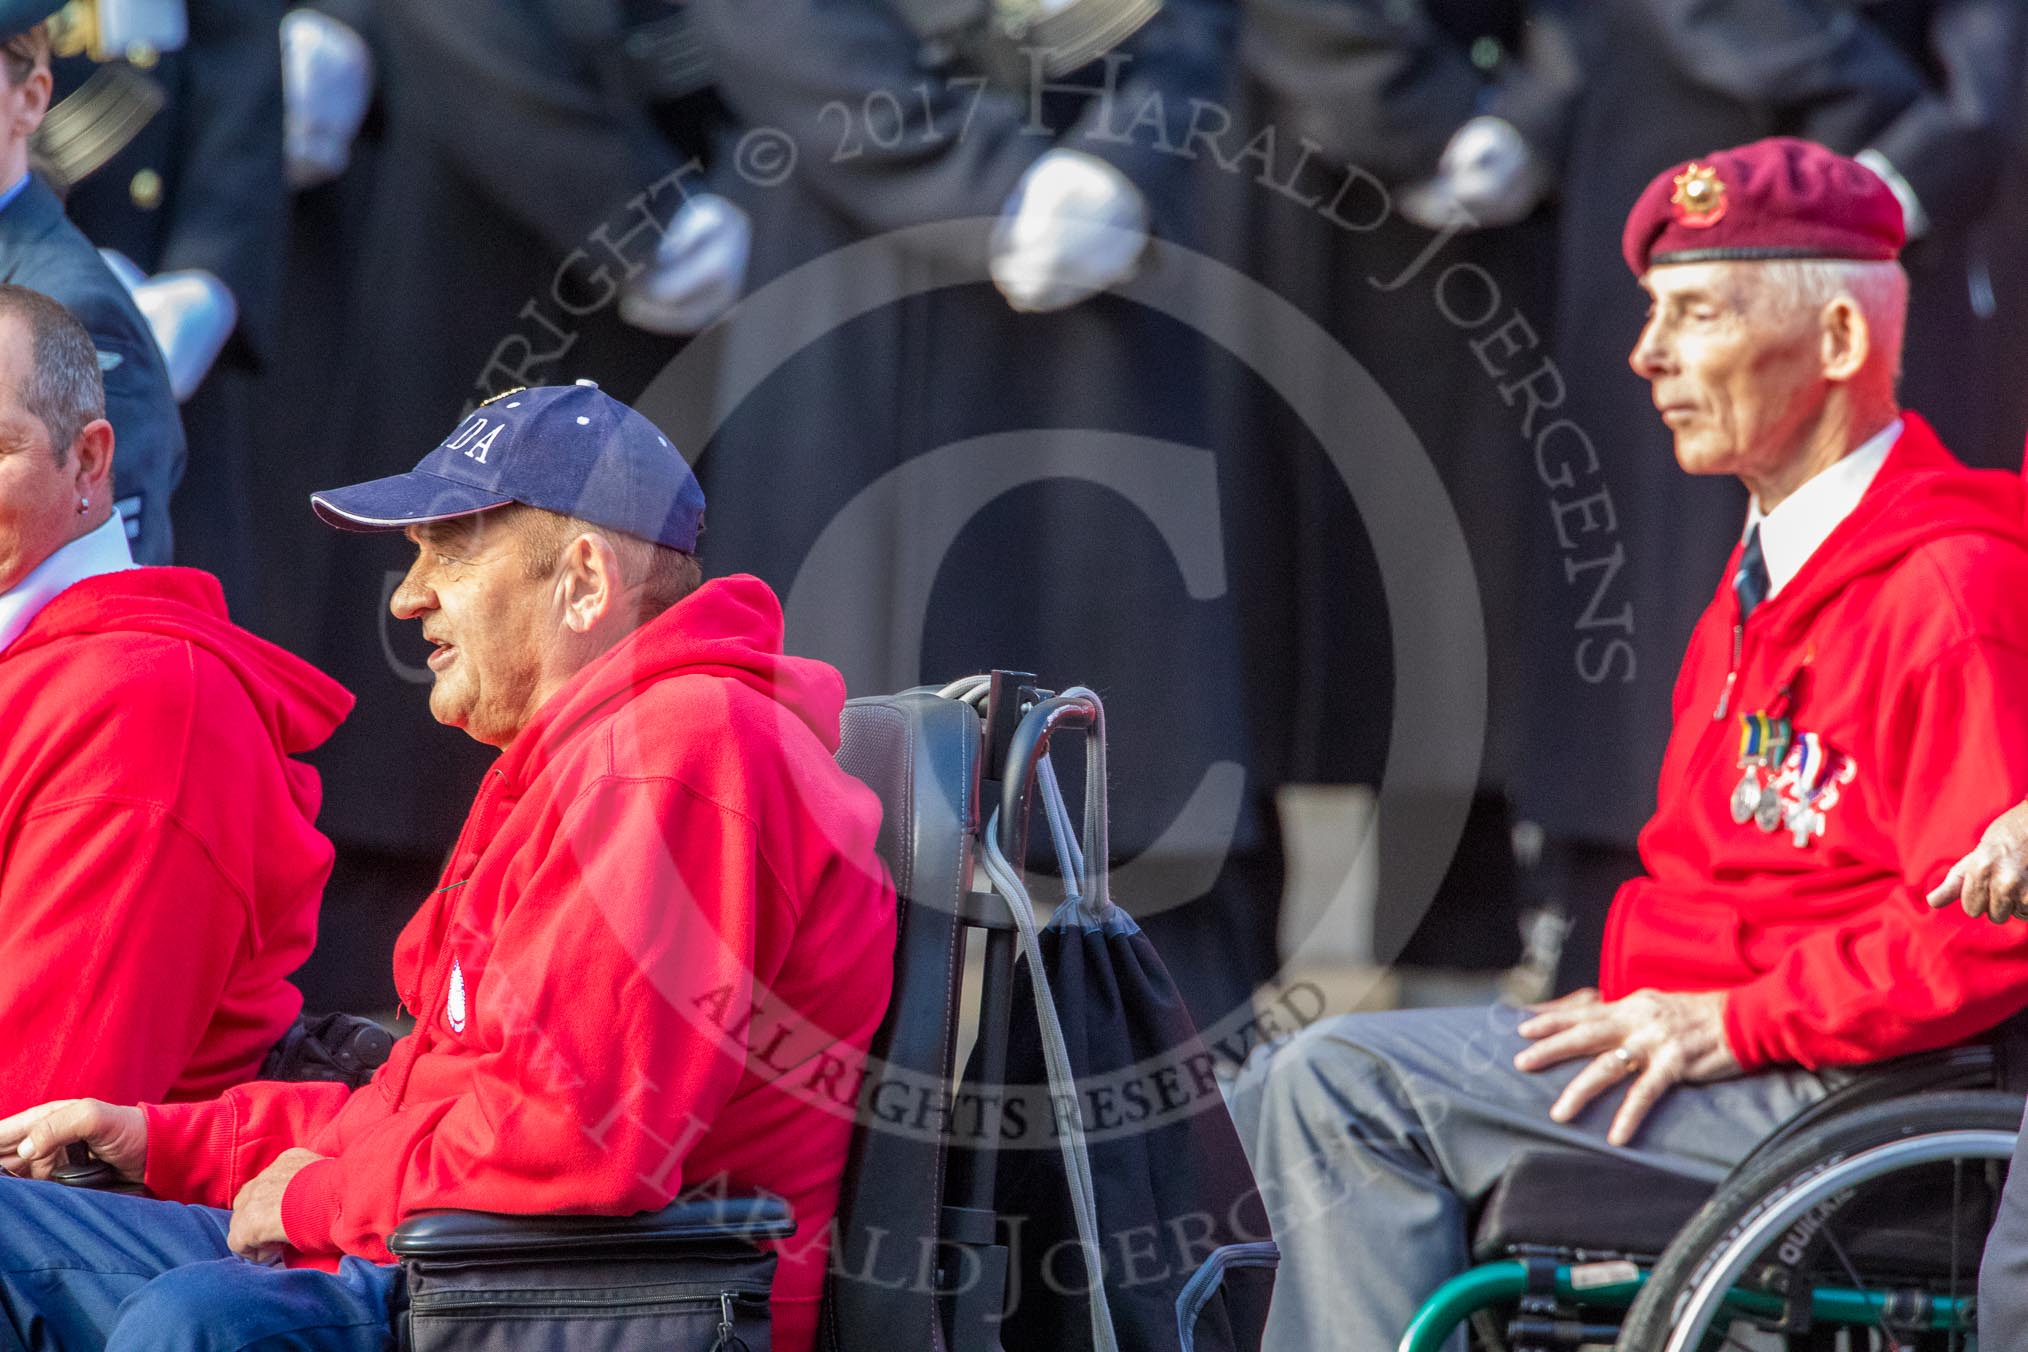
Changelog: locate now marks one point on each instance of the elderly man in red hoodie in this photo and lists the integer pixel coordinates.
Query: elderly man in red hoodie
(160, 867)
(660, 946)
(1844, 728)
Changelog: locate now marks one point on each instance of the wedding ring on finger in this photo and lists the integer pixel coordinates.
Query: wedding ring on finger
(1629, 1063)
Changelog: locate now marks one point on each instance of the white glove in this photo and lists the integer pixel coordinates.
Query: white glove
(126, 28)
(327, 86)
(190, 313)
(1487, 176)
(698, 270)
(1073, 227)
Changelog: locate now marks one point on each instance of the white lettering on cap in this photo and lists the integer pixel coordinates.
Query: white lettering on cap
(463, 438)
(485, 443)
(469, 429)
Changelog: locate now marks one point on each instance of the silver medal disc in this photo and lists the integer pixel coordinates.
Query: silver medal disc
(1767, 814)
(1746, 796)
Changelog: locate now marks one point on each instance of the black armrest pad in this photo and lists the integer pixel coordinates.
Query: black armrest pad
(681, 1224)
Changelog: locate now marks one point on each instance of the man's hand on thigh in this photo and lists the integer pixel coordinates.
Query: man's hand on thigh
(256, 1230)
(1655, 1040)
(32, 1142)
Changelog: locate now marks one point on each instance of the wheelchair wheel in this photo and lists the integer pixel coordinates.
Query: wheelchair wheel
(1863, 1234)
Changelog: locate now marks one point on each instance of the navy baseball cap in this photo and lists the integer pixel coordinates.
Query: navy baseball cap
(18, 16)
(569, 449)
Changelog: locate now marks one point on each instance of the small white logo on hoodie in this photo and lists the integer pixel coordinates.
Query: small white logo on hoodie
(454, 1003)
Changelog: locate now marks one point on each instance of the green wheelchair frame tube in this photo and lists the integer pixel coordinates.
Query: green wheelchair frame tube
(1495, 1283)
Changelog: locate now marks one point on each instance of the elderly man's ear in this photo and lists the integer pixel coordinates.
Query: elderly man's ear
(1847, 342)
(589, 577)
(91, 460)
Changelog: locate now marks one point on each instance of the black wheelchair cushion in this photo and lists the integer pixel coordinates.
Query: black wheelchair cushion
(1571, 1199)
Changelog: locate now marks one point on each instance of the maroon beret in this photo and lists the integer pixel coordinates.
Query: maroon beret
(1778, 198)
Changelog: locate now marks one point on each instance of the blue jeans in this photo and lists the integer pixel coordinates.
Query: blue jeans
(81, 1271)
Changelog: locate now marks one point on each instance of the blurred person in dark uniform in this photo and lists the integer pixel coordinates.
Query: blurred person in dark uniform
(42, 250)
(330, 139)
(331, 145)
(529, 221)
(1922, 91)
(2007, 351)
(1449, 120)
(914, 550)
(170, 154)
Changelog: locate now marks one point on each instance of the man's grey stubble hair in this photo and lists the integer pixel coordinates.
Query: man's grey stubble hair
(64, 387)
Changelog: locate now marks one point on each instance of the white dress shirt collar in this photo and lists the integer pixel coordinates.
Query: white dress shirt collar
(1805, 519)
(92, 555)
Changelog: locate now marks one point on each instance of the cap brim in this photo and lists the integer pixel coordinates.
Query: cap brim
(18, 18)
(400, 501)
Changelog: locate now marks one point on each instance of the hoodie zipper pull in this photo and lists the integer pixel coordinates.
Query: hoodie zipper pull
(1732, 676)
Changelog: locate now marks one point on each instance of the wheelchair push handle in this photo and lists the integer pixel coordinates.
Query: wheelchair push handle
(1024, 756)
(1077, 708)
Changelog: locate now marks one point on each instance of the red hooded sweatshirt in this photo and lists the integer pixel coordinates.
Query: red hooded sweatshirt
(659, 952)
(1902, 645)
(159, 866)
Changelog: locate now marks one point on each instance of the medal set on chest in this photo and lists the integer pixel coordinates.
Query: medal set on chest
(1763, 744)
(1788, 780)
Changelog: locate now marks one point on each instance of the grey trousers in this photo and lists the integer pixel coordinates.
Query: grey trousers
(1374, 1135)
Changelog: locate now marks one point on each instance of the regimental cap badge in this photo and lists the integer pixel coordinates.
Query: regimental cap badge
(1699, 198)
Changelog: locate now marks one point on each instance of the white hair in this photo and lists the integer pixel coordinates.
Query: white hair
(1879, 290)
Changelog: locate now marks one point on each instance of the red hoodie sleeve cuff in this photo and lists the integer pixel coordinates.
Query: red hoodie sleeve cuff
(310, 1207)
(190, 1148)
(1750, 1028)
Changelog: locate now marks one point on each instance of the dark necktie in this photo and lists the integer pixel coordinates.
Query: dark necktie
(1750, 583)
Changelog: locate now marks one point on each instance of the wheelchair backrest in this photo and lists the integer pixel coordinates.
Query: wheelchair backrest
(920, 754)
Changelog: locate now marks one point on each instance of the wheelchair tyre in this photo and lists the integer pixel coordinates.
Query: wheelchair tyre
(1773, 1225)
